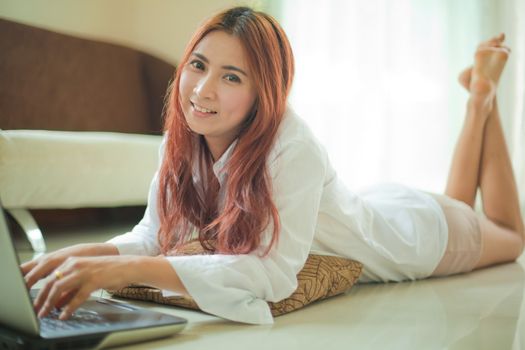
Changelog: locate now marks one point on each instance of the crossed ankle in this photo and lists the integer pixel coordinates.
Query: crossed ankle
(482, 104)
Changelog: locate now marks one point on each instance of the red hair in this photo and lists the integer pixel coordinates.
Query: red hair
(248, 207)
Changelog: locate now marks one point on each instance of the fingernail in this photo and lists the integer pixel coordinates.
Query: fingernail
(63, 315)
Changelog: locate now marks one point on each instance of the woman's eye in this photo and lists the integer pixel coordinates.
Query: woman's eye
(197, 64)
(232, 78)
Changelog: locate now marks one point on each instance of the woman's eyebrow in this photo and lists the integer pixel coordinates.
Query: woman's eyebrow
(228, 67)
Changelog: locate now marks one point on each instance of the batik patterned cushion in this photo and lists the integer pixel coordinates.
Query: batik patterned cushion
(321, 277)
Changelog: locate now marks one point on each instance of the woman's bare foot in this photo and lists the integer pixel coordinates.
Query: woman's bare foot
(488, 66)
(495, 42)
(482, 79)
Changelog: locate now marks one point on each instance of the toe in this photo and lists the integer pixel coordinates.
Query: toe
(495, 41)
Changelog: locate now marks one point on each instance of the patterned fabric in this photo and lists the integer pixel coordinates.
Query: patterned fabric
(321, 277)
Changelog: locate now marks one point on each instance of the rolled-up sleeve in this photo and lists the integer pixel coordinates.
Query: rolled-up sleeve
(237, 287)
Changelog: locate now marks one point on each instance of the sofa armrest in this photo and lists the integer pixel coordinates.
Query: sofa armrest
(56, 169)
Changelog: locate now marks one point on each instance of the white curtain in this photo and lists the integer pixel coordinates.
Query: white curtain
(377, 81)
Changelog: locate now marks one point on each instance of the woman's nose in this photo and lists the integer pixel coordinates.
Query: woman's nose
(205, 88)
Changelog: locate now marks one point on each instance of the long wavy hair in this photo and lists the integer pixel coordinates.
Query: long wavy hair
(247, 208)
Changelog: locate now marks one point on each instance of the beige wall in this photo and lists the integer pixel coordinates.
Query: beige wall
(160, 27)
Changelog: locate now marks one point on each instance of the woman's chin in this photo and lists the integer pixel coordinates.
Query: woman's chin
(197, 129)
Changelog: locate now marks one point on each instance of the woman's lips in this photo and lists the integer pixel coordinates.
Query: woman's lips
(202, 111)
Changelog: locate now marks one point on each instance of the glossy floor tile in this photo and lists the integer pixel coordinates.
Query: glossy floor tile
(480, 310)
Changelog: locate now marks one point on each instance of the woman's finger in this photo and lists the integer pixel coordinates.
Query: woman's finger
(65, 298)
(81, 296)
(36, 274)
(41, 297)
(64, 285)
(28, 266)
(42, 269)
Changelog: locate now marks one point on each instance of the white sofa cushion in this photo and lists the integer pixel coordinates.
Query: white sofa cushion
(57, 169)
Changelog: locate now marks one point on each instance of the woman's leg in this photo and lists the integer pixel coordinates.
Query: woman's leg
(463, 180)
(502, 230)
(482, 159)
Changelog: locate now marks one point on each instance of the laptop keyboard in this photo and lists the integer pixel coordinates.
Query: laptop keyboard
(81, 319)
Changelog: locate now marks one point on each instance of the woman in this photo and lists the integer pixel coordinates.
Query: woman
(243, 174)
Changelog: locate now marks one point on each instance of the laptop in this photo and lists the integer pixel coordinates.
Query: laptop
(98, 323)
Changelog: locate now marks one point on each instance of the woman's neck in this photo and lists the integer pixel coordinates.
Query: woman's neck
(217, 147)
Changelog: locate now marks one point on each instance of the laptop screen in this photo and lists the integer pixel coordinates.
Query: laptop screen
(15, 303)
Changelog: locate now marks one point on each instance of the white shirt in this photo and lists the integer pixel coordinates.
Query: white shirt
(396, 232)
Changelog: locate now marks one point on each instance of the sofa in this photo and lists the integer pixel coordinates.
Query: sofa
(80, 123)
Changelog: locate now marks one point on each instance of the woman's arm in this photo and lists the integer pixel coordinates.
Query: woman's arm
(78, 277)
(39, 268)
(156, 271)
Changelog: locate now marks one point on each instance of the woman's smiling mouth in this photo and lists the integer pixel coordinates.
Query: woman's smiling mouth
(201, 110)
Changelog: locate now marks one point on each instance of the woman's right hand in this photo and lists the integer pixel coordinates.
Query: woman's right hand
(44, 265)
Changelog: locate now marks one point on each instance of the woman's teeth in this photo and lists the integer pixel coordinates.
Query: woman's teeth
(203, 110)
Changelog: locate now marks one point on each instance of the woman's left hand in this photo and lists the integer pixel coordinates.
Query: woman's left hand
(77, 277)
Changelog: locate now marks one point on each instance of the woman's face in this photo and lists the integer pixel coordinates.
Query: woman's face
(216, 90)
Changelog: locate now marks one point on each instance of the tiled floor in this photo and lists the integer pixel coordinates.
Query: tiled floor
(481, 310)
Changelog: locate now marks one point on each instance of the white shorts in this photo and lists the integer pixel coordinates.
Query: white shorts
(464, 237)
